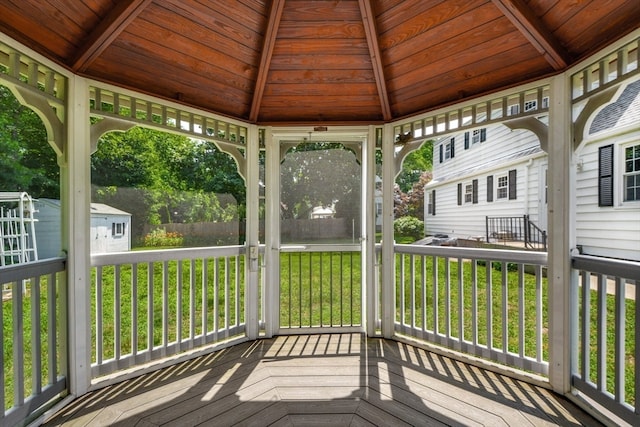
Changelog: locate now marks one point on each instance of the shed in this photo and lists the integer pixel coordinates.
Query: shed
(110, 228)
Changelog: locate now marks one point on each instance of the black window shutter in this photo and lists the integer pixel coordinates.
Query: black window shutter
(441, 152)
(490, 188)
(466, 140)
(459, 194)
(512, 184)
(474, 185)
(483, 134)
(453, 147)
(433, 202)
(605, 175)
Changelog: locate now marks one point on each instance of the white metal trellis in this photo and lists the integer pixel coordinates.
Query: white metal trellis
(17, 229)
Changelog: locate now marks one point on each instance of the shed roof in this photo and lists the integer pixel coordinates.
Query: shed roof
(96, 208)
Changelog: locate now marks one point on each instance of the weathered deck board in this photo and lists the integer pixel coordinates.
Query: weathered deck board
(315, 380)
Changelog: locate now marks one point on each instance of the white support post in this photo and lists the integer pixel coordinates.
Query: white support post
(252, 267)
(272, 235)
(388, 259)
(75, 189)
(561, 204)
(370, 288)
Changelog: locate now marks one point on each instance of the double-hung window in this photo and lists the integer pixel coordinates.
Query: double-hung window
(468, 193)
(502, 191)
(631, 175)
(447, 150)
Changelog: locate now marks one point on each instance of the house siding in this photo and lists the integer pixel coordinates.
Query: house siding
(611, 231)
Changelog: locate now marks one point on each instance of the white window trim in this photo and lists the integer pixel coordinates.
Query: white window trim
(118, 229)
(467, 186)
(496, 181)
(476, 136)
(447, 149)
(619, 175)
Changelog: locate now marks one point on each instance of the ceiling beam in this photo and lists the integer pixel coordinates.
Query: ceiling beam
(106, 31)
(374, 51)
(265, 60)
(534, 31)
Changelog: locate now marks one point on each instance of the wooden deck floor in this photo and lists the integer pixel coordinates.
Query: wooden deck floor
(312, 380)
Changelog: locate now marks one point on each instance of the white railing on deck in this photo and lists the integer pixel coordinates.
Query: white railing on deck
(33, 335)
(482, 302)
(320, 286)
(149, 305)
(608, 350)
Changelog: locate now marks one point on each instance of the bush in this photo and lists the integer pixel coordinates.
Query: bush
(160, 237)
(409, 226)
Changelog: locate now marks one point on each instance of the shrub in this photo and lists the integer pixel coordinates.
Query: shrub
(409, 226)
(160, 237)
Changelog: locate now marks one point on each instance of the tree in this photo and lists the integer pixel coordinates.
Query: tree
(319, 174)
(414, 164)
(127, 159)
(27, 161)
(409, 188)
(164, 178)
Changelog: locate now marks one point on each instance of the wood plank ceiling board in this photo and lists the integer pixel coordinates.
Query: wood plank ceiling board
(289, 62)
(325, 42)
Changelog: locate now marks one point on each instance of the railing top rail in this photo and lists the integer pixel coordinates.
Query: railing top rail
(608, 266)
(524, 257)
(317, 247)
(28, 270)
(165, 255)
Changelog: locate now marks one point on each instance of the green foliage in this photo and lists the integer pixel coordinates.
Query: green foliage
(415, 174)
(27, 161)
(164, 178)
(320, 174)
(408, 226)
(414, 165)
(160, 238)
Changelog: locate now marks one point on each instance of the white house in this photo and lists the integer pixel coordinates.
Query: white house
(110, 228)
(608, 179)
(475, 178)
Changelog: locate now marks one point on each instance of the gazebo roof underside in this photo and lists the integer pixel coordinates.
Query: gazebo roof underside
(288, 62)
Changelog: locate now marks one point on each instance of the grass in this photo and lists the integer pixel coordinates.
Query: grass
(9, 342)
(319, 290)
(220, 274)
(461, 312)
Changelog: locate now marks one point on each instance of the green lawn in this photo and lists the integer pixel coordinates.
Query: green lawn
(461, 308)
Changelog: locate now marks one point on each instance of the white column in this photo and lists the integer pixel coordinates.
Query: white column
(561, 202)
(370, 288)
(252, 229)
(75, 189)
(272, 235)
(388, 259)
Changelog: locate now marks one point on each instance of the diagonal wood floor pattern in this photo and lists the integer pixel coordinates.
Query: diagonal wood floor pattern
(310, 380)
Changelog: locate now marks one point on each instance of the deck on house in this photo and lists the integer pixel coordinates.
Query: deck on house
(329, 379)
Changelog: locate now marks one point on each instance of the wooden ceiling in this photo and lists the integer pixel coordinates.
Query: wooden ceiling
(317, 61)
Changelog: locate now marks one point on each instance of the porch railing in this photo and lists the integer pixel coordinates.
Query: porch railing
(320, 286)
(33, 335)
(516, 229)
(149, 305)
(607, 365)
(484, 302)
